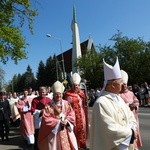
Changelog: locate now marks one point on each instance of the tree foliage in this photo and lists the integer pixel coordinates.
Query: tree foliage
(13, 15)
(21, 81)
(50, 70)
(41, 78)
(2, 74)
(29, 79)
(133, 55)
(91, 67)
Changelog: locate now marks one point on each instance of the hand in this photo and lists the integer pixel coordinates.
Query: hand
(41, 113)
(132, 106)
(64, 123)
(135, 134)
(69, 99)
(48, 109)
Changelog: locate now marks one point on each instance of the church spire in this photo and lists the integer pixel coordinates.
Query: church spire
(74, 14)
(76, 48)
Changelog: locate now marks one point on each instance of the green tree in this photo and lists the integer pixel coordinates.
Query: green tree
(14, 84)
(2, 80)
(50, 70)
(134, 57)
(41, 77)
(19, 82)
(13, 15)
(29, 78)
(91, 68)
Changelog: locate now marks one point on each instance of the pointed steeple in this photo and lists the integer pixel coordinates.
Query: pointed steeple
(90, 42)
(76, 49)
(74, 14)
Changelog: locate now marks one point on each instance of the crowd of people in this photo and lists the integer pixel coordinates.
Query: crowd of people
(49, 119)
(142, 92)
(55, 118)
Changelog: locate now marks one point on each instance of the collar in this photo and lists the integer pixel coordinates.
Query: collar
(111, 96)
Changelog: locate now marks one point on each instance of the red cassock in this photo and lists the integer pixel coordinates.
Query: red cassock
(79, 104)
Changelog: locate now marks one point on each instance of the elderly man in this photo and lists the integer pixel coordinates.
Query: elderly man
(113, 125)
(56, 132)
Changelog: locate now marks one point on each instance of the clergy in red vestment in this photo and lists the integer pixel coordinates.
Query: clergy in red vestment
(56, 131)
(27, 123)
(132, 101)
(37, 107)
(78, 101)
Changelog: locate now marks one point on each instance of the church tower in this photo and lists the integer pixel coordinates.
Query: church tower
(76, 49)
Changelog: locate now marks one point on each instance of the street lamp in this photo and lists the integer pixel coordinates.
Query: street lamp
(62, 56)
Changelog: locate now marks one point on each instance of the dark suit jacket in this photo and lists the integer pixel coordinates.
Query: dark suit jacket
(5, 112)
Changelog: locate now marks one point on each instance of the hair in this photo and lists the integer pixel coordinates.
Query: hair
(2, 93)
(42, 88)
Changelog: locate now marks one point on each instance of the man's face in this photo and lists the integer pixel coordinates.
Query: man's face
(124, 87)
(57, 96)
(42, 92)
(76, 87)
(117, 84)
(3, 97)
(25, 93)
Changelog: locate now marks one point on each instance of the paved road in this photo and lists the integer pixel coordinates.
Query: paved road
(16, 142)
(144, 119)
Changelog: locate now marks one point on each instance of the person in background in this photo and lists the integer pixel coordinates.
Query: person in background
(142, 94)
(15, 116)
(91, 95)
(136, 89)
(30, 90)
(147, 89)
(97, 93)
(133, 103)
(113, 125)
(78, 101)
(27, 123)
(5, 114)
(37, 108)
(56, 131)
(49, 92)
(31, 93)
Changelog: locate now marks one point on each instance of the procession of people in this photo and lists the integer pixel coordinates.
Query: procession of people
(56, 118)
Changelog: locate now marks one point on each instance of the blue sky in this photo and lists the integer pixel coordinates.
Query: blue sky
(99, 18)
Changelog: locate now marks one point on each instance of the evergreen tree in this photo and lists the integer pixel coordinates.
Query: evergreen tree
(41, 74)
(50, 70)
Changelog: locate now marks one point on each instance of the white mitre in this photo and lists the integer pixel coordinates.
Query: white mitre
(111, 72)
(58, 87)
(124, 76)
(76, 79)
